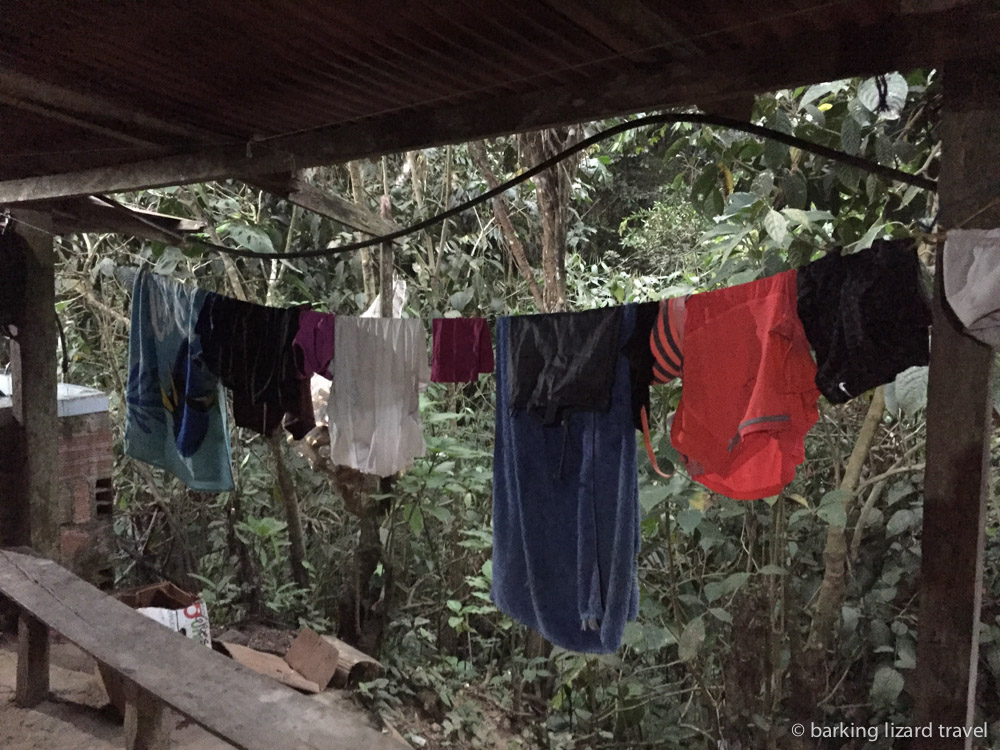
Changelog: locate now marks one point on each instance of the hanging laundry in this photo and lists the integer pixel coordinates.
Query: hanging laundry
(749, 395)
(565, 494)
(249, 347)
(666, 341)
(374, 407)
(640, 358)
(553, 370)
(175, 412)
(664, 346)
(972, 281)
(462, 350)
(313, 343)
(865, 317)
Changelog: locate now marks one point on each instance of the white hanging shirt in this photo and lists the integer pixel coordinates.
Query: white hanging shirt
(378, 370)
(972, 281)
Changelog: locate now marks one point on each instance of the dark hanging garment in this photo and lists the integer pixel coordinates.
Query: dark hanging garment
(14, 251)
(560, 363)
(640, 358)
(865, 316)
(249, 347)
(566, 506)
(463, 349)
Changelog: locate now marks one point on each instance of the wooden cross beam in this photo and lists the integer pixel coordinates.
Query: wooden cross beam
(293, 188)
(91, 214)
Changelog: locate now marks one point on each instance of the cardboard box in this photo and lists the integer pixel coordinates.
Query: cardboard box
(170, 606)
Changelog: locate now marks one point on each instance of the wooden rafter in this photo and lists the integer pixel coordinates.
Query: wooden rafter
(294, 189)
(91, 214)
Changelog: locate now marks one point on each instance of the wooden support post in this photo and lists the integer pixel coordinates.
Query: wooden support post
(34, 363)
(958, 424)
(32, 661)
(148, 723)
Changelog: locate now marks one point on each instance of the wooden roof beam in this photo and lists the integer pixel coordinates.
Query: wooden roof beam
(910, 40)
(91, 214)
(294, 189)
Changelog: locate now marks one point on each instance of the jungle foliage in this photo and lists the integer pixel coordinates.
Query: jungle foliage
(723, 653)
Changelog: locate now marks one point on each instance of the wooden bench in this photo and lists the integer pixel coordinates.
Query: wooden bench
(162, 668)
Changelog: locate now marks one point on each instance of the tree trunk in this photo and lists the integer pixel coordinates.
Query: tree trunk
(553, 188)
(367, 264)
(290, 502)
(477, 151)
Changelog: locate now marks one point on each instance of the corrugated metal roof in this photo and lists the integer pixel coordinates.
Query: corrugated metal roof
(106, 82)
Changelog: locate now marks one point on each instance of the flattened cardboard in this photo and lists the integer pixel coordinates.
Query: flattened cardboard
(268, 664)
(313, 657)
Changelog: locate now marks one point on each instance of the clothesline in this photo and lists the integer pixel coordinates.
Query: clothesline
(659, 119)
(753, 360)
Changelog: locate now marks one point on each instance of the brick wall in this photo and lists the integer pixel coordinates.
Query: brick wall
(86, 495)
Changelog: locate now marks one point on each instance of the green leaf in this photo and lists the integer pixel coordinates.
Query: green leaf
(721, 614)
(911, 390)
(776, 225)
(251, 238)
(850, 136)
(436, 511)
(831, 508)
(776, 155)
(633, 636)
(487, 570)
(900, 521)
(821, 90)
(884, 151)
(896, 92)
(688, 520)
(454, 605)
(763, 184)
(651, 496)
(415, 518)
(718, 589)
(460, 300)
(875, 231)
(795, 189)
(691, 640)
(886, 687)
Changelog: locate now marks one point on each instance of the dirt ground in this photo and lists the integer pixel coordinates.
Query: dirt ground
(76, 715)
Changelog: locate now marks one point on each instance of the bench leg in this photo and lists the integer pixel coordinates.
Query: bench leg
(147, 721)
(32, 661)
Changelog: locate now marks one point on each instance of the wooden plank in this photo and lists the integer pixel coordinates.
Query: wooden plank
(902, 42)
(147, 724)
(958, 425)
(91, 214)
(34, 366)
(32, 685)
(295, 189)
(233, 703)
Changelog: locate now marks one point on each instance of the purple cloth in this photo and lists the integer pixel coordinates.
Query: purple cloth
(313, 343)
(463, 349)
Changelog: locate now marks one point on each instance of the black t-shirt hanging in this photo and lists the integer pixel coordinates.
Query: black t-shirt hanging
(865, 316)
(563, 362)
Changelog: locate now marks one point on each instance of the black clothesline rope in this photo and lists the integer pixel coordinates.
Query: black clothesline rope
(697, 118)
